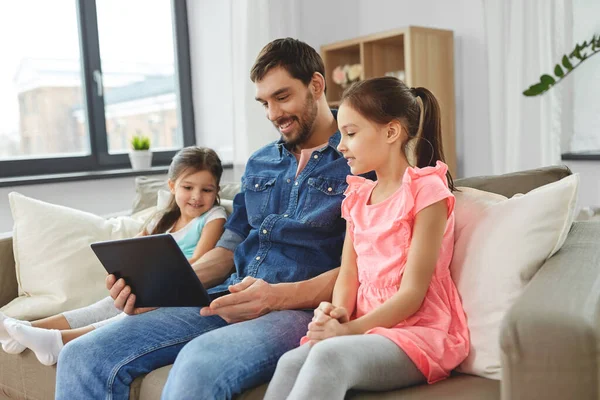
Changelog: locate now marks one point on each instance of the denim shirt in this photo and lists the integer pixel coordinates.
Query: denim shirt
(286, 228)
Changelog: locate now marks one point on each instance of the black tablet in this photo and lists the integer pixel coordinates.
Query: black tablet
(155, 268)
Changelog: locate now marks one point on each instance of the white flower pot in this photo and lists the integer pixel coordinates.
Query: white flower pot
(140, 159)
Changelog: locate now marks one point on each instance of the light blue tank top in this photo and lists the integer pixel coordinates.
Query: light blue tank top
(190, 240)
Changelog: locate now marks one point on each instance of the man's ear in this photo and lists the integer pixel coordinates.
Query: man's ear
(317, 85)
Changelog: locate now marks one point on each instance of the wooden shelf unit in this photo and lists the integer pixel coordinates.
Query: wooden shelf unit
(425, 55)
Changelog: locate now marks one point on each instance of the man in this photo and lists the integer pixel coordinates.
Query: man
(284, 239)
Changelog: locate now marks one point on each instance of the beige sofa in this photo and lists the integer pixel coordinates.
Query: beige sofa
(550, 338)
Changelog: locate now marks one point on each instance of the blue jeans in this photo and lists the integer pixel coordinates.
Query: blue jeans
(214, 360)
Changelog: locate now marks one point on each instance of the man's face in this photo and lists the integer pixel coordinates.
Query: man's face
(289, 104)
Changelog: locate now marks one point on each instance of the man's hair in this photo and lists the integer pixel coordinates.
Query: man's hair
(299, 59)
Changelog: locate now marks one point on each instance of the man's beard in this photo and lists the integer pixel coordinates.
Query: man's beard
(306, 124)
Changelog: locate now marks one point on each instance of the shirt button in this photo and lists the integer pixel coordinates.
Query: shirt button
(329, 189)
(289, 180)
(316, 156)
(285, 216)
(257, 258)
(265, 231)
(256, 185)
(296, 183)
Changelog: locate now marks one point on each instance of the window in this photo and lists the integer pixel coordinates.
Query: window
(81, 77)
(586, 82)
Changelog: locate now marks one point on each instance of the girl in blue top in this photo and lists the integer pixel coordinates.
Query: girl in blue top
(193, 217)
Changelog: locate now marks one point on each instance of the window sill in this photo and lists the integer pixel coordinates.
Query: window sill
(80, 176)
(591, 156)
(87, 176)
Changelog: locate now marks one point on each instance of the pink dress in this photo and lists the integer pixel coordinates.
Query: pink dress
(436, 337)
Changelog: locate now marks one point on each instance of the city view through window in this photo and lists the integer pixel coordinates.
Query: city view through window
(42, 101)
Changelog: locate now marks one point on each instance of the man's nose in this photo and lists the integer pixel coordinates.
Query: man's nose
(273, 112)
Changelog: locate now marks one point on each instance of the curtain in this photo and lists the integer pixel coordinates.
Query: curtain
(524, 40)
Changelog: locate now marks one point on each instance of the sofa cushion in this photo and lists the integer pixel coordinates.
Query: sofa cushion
(8, 279)
(23, 377)
(152, 192)
(500, 244)
(457, 387)
(517, 182)
(146, 192)
(55, 267)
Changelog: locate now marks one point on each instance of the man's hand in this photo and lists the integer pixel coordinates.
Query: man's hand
(124, 299)
(249, 299)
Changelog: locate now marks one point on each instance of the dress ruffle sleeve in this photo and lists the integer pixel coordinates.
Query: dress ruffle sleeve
(428, 186)
(351, 195)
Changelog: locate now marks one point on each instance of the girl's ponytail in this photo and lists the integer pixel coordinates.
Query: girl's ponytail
(428, 146)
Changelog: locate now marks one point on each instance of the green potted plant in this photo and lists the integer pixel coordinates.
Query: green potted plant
(140, 154)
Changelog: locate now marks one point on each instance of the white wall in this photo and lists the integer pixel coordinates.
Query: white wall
(586, 80)
(101, 197)
(333, 20)
(589, 184)
(210, 38)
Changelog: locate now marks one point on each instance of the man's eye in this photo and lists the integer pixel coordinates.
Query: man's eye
(282, 98)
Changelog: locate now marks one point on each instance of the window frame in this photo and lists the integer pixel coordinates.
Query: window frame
(99, 158)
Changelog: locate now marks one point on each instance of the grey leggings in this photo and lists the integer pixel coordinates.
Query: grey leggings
(97, 314)
(332, 367)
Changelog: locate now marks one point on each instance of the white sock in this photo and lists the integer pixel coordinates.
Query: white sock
(45, 343)
(10, 345)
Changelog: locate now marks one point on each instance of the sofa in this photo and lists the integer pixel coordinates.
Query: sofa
(549, 339)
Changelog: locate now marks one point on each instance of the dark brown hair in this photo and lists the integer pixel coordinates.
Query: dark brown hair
(385, 99)
(299, 59)
(188, 160)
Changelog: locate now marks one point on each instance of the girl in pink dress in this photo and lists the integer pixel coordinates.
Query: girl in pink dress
(396, 318)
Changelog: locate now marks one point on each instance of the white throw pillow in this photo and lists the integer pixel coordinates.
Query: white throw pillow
(499, 245)
(55, 266)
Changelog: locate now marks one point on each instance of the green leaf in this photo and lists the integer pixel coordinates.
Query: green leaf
(530, 92)
(535, 90)
(567, 64)
(558, 71)
(580, 53)
(547, 80)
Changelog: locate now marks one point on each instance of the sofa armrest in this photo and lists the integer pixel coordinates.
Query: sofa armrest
(550, 338)
(8, 277)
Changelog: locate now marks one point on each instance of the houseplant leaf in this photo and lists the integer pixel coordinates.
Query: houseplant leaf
(567, 64)
(547, 80)
(558, 71)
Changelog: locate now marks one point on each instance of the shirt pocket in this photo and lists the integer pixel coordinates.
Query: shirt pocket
(257, 190)
(323, 203)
